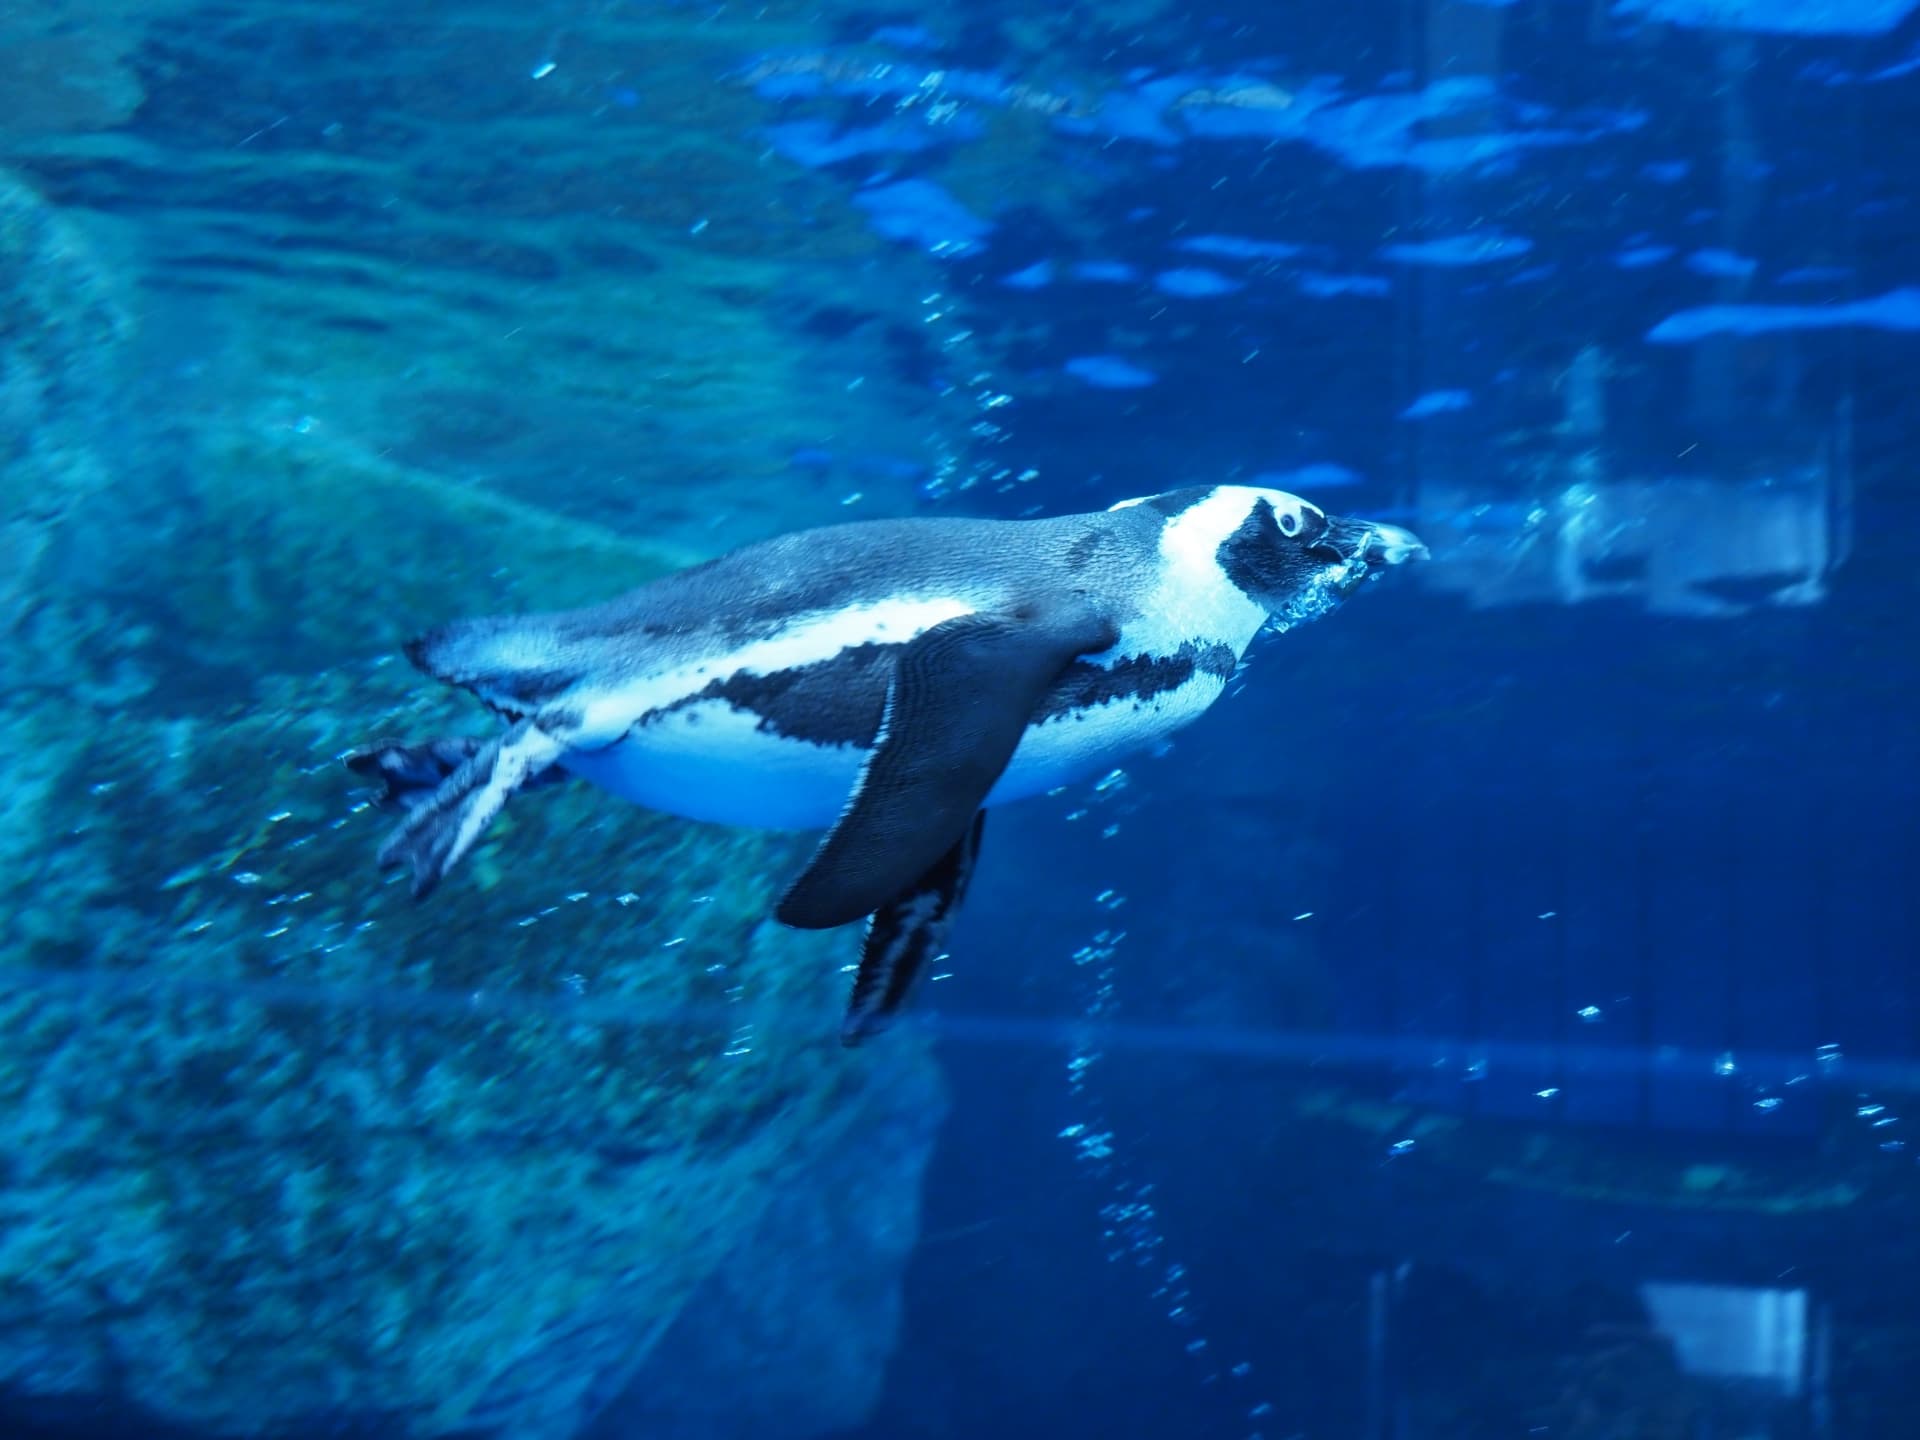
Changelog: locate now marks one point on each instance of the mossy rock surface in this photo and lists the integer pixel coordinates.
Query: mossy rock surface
(280, 1145)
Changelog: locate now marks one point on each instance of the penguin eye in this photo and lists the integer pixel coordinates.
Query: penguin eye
(1290, 524)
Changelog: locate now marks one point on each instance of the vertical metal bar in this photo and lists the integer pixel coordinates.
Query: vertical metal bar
(1820, 1375)
(1560, 948)
(1378, 1302)
(1910, 894)
(1392, 895)
(1645, 963)
(1733, 933)
(1474, 1010)
(1816, 851)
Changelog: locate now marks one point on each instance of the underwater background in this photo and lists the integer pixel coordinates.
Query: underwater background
(1499, 1018)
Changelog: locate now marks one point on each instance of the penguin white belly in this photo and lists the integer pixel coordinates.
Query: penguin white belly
(712, 762)
(716, 763)
(1085, 743)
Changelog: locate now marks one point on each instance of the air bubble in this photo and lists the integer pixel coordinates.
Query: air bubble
(1131, 1226)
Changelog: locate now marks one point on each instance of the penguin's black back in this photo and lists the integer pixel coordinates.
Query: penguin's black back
(753, 593)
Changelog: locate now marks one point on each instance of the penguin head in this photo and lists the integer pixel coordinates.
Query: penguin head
(1295, 559)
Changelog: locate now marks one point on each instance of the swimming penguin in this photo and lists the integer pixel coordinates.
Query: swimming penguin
(886, 681)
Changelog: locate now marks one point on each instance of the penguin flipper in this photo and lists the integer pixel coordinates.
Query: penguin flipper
(958, 702)
(904, 934)
(441, 828)
(411, 771)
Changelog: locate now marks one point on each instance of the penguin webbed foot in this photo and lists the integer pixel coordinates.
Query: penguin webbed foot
(411, 771)
(443, 823)
(905, 935)
(428, 851)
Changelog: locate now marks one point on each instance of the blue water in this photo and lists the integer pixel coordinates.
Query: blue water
(1498, 1017)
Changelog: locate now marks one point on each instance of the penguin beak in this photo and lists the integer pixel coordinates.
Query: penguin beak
(1368, 542)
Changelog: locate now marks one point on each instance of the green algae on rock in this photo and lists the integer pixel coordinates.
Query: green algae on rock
(60, 76)
(60, 328)
(255, 1099)
(631, 313)
(281, 1146)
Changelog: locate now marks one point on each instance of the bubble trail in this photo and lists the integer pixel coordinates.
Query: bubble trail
(1132, 1232)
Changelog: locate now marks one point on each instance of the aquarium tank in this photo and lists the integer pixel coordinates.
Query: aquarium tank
(1443, 958)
